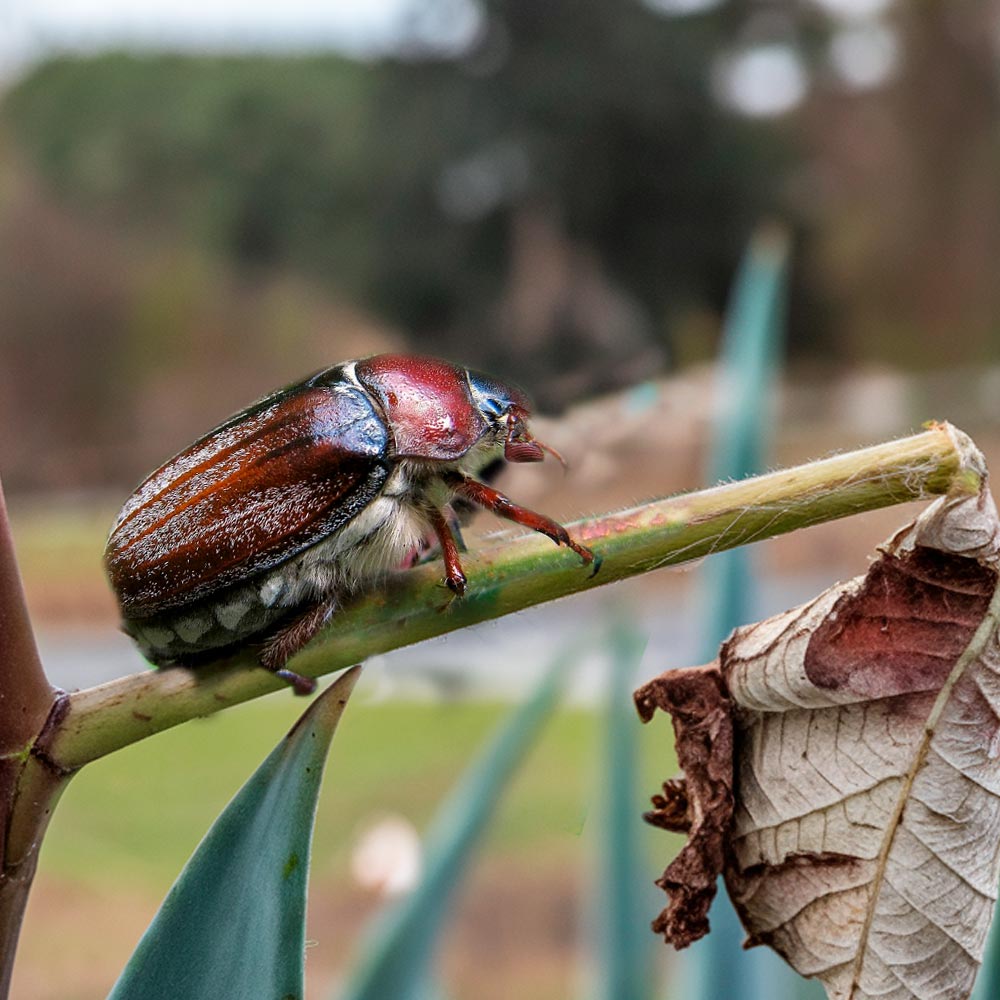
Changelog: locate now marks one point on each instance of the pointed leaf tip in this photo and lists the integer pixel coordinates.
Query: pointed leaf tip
(234, 922)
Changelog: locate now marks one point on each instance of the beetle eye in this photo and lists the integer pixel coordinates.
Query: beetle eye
(493, 407)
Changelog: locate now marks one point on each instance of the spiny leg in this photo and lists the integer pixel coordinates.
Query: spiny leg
(502, 506)
(453, 575)
(290, 638)
(425, 550)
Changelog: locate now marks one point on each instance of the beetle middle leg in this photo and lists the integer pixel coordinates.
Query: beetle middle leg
(503, 506)
(454, 577)
(290, 638)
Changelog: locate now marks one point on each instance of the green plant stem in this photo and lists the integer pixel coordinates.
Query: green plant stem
(517, 572)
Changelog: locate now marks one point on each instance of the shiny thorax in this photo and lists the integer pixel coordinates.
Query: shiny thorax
(258, 531)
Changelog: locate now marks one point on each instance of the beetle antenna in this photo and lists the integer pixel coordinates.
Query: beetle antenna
(555, 454)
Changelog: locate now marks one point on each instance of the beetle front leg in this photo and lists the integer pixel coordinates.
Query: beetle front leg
(502, 506)
(289, 639)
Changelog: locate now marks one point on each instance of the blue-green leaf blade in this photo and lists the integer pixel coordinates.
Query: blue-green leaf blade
(752, 340)
(754, 334)
(988, 982)
(396, 960)
(625, 900)
(233, 925)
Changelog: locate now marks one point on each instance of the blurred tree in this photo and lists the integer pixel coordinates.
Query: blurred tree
(562, 192)
(153, 212)
(905, 201)
(567, 189)
(562, 199)
(63, 297)
(252, 157)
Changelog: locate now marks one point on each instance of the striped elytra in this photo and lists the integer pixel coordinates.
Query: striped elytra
(261, 528)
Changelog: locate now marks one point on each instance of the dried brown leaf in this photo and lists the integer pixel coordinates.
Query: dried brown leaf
(701, 805)
(865, 839)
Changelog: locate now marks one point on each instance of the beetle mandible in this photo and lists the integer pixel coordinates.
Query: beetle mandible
(262, 528)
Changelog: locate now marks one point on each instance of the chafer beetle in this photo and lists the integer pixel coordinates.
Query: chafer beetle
(263, 527)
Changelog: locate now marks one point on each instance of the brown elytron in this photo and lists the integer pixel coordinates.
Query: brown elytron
(263, 527)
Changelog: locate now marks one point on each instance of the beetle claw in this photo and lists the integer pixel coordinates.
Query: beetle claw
(582, 551)
(300, 685)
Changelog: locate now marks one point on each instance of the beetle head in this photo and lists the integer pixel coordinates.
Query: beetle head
(507, 409)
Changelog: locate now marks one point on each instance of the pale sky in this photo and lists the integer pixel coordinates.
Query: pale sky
(767, 79)
(32, 28)
(360, 26)
(197, 22)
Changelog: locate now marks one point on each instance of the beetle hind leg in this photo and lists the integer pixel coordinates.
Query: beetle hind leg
(290, 638)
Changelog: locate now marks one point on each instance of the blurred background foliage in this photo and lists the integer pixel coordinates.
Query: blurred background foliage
(559, 192)
(561, 198)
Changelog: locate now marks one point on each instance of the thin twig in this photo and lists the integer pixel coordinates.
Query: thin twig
(516, 573)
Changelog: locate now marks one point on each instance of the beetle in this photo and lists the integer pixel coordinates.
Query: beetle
(265, 526)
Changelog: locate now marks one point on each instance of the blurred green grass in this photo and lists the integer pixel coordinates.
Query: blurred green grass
(133, 819)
